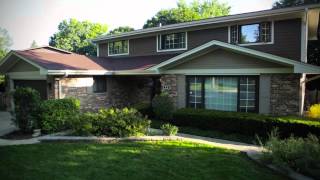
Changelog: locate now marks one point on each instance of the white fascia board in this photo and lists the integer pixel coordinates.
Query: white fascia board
(139, 72)
(216, 20)
(79, 72)
(299, 66)
(249, 71)
(12, 53)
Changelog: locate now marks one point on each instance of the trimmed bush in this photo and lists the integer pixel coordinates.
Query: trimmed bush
(162, 106)
(314, 111)
(56, 114)
(303, 155)
(144, 108)
(111, 122)
(26, 101)
(169, 129)
(244, 123)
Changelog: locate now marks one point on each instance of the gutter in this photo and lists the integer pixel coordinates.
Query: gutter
(215, 20)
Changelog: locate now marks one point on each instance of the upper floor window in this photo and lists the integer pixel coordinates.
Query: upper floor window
(118, 48)
(174, 41)
(251, 33)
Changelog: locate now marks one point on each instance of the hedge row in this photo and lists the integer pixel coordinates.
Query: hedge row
(244, 123)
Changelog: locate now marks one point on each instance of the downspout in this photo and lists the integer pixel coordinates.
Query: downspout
(304, 59)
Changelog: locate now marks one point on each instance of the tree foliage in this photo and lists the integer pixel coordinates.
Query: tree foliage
(75, 36)
(34, 44)
(188, 12)
(290, 3)
(121, 29)
(5, 42)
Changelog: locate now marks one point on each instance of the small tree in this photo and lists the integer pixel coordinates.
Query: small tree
(162, 106)
(26, 101)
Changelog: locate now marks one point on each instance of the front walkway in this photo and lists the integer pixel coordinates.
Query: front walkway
(185, 137)
(6, 125)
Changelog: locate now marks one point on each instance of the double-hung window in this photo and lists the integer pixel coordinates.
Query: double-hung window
(225, 93)
(251, 33)
(118, 48)
(174, 41)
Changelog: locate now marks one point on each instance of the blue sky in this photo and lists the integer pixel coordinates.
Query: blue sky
(28, 20)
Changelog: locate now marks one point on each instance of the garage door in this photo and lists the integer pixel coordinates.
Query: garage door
(39, 85)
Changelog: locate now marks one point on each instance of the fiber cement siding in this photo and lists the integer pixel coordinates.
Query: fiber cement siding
(22, 66)
(287, 40)
(264, 93)
(222, 59)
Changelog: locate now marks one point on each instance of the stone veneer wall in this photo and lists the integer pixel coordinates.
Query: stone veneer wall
(122, 91)
(81, 88)
(169, 85)
(285, 94)
(129, 90)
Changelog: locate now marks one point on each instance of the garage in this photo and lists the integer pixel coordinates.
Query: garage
(39, 85)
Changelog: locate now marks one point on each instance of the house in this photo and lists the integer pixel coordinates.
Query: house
(251, 62)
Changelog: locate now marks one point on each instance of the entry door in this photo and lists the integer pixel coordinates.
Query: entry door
(39, 85)
(195, 96)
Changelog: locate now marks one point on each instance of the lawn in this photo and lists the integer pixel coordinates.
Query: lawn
(144, 160)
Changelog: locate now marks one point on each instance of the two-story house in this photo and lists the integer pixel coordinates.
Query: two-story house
(251, 62)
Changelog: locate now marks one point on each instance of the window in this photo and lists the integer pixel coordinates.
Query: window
(99, 84)
(251, 33)
(195, 92)
(247, 94)
(225, 93)
(118, 48)
(175, 41)
(221, 93)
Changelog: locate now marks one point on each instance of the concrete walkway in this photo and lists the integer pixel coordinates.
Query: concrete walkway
(6, 125)
(185, 137)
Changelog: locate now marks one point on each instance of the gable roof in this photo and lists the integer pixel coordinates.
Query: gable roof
(52, 60)
(210, 21)
(299, 67)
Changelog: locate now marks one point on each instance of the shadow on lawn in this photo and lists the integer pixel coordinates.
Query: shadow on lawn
(142, 160)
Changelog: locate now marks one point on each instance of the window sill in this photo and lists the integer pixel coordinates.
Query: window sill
(170, 50)
(124, 54)
(255, 44)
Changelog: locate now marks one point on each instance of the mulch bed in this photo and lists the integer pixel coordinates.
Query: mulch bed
(17, 135)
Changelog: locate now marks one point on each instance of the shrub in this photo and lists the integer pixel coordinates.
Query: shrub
(56, 114)
(82, 124)
(169, 129)
(244, 123)
(162, 106)
(303, 155)
(314, 111)
(26, 108)
(144, 108)
(111, 122)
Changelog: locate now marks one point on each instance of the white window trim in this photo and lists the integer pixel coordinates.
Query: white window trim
(253, 44)
(98, 54)
(122, 54)
(168, 50)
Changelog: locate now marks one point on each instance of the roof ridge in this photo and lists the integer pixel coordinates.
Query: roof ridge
(46, 46)
(217, 19)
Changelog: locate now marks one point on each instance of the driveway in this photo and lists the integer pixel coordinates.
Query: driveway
(6, 125)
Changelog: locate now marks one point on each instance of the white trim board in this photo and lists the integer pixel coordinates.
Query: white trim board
(210, 21)
(299, 67)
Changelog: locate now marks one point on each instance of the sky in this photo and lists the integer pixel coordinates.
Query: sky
(28, 20)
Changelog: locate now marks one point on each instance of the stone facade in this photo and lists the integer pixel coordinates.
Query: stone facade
(169, 85)
(285, 94)
(121, 91)
(81, 88)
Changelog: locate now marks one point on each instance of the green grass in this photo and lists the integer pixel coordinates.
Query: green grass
(210, 133)
(145, 160)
